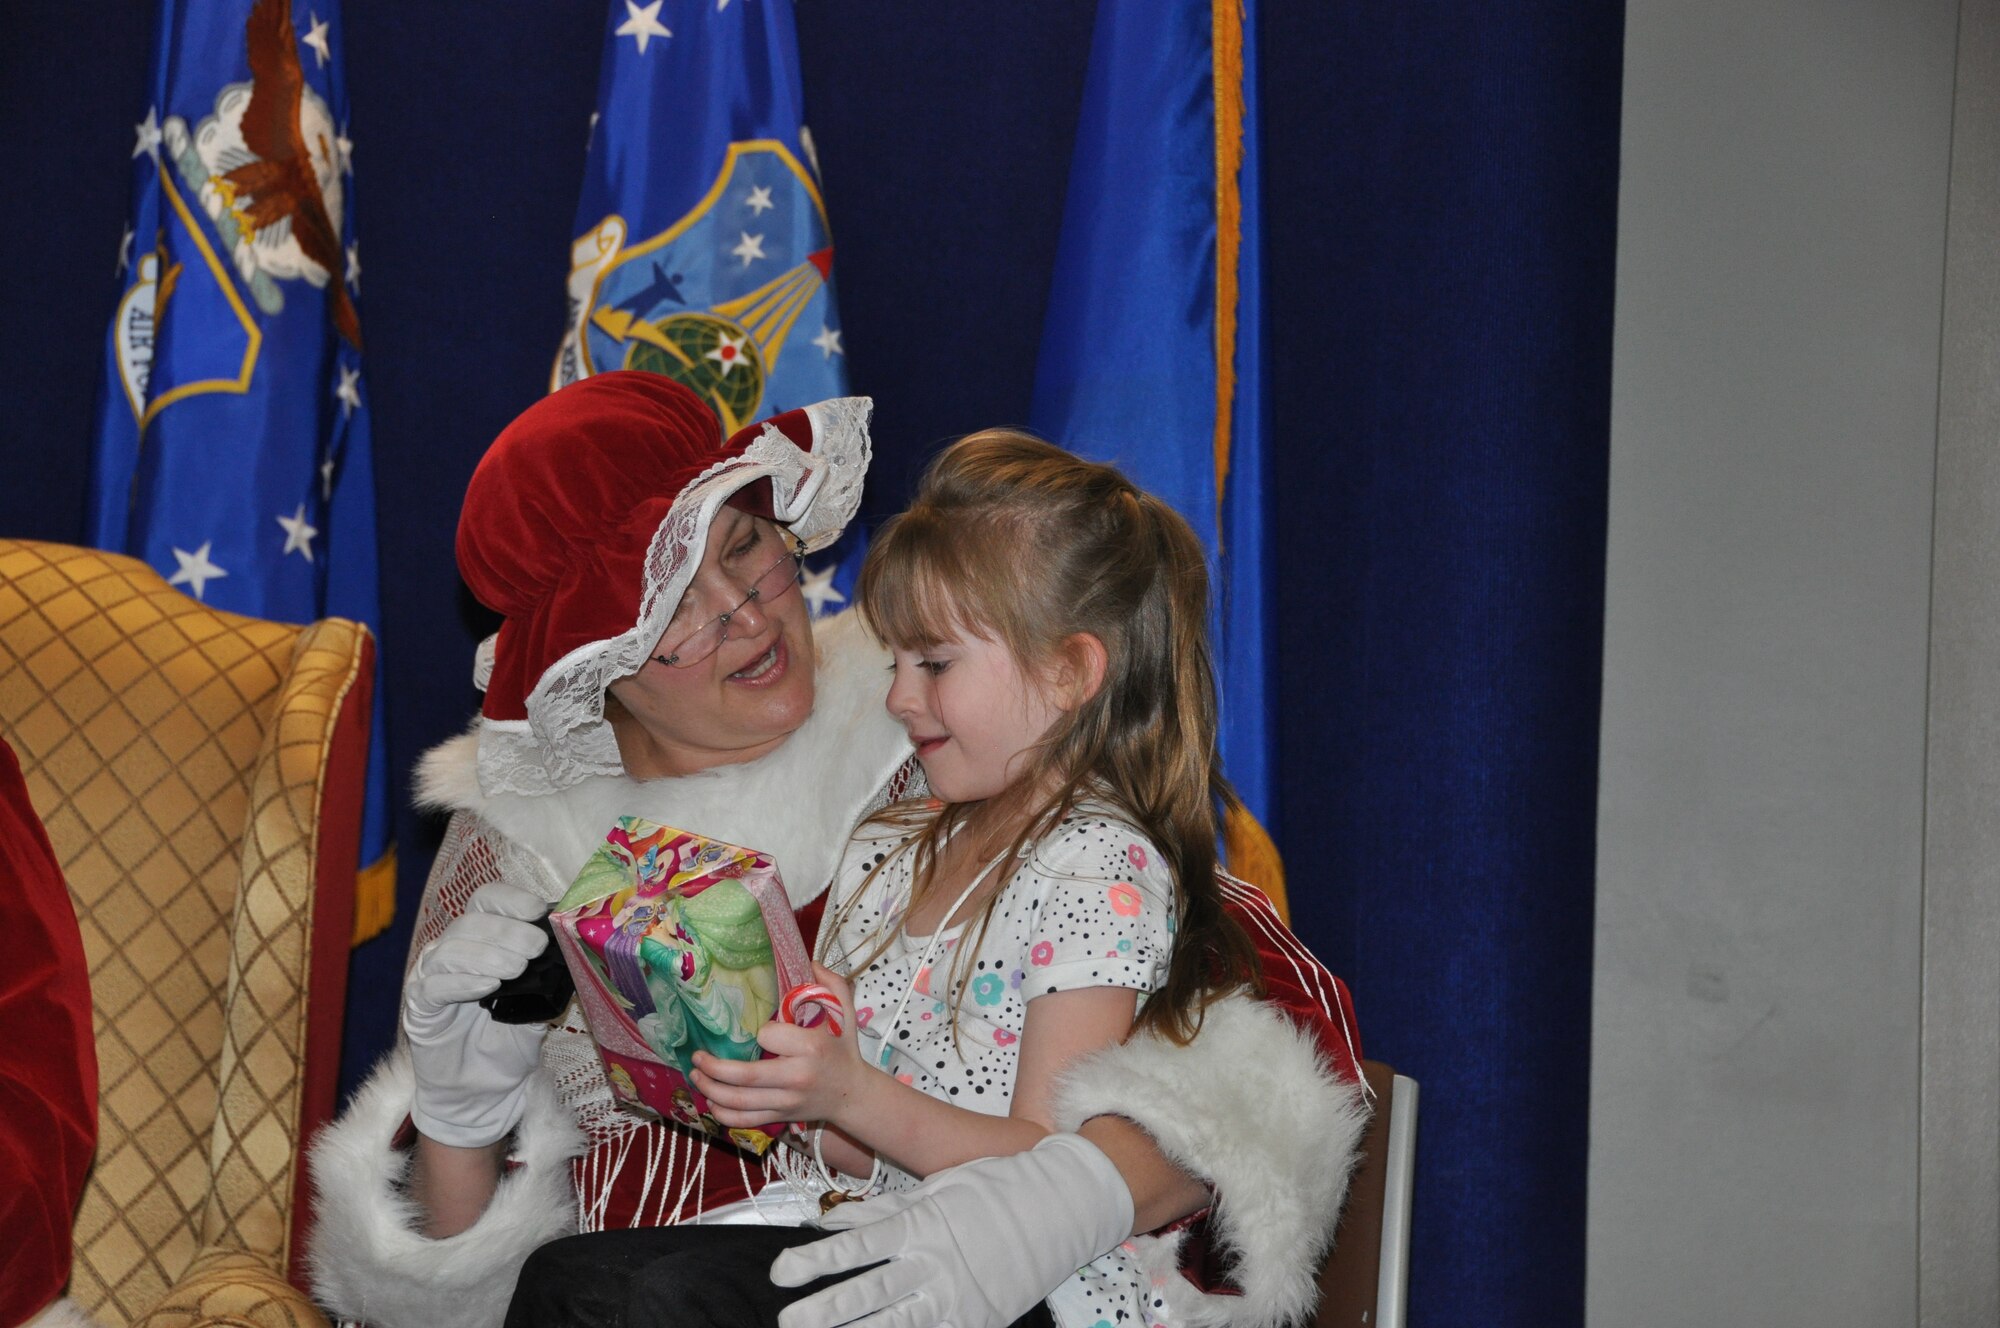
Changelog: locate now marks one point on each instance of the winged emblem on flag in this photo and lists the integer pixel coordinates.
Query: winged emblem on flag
(267, 166)
(714, 300)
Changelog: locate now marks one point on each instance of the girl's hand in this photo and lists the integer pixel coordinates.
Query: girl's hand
(813, 1075)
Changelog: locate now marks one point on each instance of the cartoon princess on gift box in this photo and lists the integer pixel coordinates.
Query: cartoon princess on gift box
(683, 945)
(706, 960)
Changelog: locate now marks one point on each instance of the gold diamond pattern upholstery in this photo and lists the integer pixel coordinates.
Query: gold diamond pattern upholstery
(236, 1290)
(177, 755)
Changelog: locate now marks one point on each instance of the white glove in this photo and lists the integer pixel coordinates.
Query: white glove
(472, 1072)
(976, 1246)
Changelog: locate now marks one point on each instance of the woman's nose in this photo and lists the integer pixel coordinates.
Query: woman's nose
(748, 619)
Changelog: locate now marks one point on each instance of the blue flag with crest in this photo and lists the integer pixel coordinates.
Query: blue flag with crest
(1150, 355)
(703, 250)
(233, 450)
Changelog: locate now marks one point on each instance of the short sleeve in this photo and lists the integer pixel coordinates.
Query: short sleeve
(1101, 910)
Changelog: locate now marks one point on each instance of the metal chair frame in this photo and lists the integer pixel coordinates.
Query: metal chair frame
(1365, 1282)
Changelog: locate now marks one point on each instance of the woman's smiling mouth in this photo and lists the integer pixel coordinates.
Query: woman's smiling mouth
(764, 670)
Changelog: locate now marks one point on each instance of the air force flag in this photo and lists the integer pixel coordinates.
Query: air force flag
(1150, 354)
(703, 251)
(233, 450)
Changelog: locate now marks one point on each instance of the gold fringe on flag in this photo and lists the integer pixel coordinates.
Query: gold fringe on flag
(375, 897)
(1254, 858)
(1227, 16)
(1246, 845)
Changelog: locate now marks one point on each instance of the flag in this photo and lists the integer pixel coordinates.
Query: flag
(1150, 355)
(830, 575)
(702, 247)
(233, 450)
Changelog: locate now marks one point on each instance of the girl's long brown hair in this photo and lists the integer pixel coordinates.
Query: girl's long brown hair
(1020, 542)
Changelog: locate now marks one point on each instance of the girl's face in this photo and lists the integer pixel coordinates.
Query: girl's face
(973, 713)
(746, 698)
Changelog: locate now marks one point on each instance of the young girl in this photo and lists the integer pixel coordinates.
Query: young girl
(1048, 625)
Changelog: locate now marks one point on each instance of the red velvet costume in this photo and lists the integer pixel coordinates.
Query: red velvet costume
(48, 1059)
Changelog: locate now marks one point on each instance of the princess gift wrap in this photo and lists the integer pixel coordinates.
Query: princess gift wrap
(678, 944)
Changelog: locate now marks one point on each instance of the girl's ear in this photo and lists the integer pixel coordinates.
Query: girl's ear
(1080, 674)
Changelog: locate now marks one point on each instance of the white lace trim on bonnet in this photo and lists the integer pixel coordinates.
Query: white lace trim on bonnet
(565, 737)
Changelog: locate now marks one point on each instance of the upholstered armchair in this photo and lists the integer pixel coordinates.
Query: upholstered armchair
(200, 775)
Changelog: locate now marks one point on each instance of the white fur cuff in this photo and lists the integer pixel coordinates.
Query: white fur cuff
(63, 1313)
(368, 1262)
(1252, 1108)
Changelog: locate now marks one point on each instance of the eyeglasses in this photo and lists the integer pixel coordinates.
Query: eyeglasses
(772, 584)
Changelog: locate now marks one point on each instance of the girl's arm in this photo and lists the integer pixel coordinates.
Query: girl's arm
(1161, 1192)
(814, 1076)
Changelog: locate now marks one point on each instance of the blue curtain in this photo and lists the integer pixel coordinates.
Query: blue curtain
(1439, 207)
(1440, 440)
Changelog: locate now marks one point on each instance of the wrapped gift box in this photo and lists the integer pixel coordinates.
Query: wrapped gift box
(678, 943)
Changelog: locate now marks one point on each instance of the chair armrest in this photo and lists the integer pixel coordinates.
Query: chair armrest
(230, 1287)
(293, 918)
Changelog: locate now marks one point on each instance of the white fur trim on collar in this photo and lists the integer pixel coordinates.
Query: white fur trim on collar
(1251, 1108)
(797, 804)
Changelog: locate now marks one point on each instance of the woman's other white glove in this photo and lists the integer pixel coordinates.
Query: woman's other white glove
(976, 1246)
(472, 1072)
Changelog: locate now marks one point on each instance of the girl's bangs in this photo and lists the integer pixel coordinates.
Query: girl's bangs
(913, 596)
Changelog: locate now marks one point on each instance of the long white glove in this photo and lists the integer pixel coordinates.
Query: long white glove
(472, 1073)
(976, 1246)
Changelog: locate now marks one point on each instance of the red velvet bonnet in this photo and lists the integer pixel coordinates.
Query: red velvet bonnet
(584, 523)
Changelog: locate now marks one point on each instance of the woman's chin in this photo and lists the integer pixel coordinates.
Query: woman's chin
(781, 714)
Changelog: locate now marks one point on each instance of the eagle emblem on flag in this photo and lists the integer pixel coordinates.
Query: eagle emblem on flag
(266, 165)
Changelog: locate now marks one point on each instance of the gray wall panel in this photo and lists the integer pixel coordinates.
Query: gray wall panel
(1959, 1228)
(1755, 1035)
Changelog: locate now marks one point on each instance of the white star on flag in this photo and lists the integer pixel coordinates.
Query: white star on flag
(349, 391)
(354, 266)
(125, 252)
(298, 535)
(149, 135)
(344, 145)
(642, 25)
(316, 38)
(326, 478)
(760, 200)
(828, 340)
(196, 570)
(819, 592)
(749, 247)
(728, 352)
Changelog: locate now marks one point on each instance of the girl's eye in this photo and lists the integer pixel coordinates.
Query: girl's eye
(934, 666)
